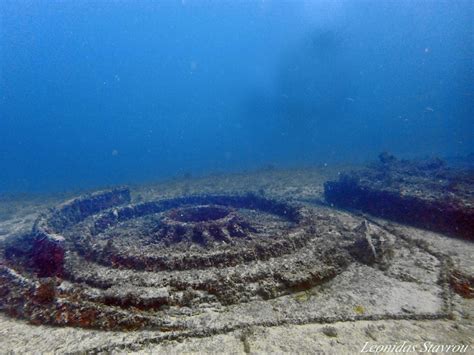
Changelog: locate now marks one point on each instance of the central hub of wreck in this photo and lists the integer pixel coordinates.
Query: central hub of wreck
(206, 225)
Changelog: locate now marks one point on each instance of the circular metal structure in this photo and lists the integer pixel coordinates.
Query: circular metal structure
(99, 261)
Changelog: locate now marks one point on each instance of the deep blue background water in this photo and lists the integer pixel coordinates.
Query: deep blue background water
(104, 92)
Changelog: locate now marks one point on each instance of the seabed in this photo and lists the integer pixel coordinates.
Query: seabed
(240, 263)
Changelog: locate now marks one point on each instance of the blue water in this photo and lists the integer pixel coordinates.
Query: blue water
(106, 92)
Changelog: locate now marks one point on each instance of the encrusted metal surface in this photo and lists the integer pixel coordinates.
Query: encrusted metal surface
(426, 193)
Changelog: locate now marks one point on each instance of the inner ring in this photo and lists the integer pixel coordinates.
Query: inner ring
(199, 213)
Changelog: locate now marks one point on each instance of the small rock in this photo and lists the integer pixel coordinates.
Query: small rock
(329, 331)
(373, 245)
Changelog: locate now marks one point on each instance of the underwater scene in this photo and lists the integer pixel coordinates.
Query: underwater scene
(250, 176)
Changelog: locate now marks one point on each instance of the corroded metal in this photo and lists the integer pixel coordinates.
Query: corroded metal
(425, 194)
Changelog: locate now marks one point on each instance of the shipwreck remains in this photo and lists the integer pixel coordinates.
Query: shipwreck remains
(203, 264)
(425, 194)
(99, 261)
